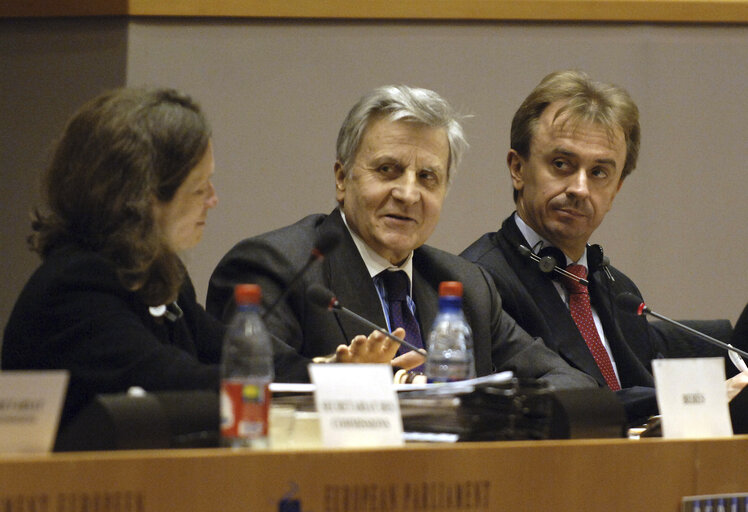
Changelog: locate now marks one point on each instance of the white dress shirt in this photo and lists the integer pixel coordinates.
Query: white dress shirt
(376, 264)
(536, 244)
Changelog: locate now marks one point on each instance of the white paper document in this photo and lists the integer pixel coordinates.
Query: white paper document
(692, 397)
(30, 406)
(357, 405)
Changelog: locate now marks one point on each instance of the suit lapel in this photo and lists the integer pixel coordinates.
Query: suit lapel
(562, 334)
(426, 299)
(627, 363)
(348, 278)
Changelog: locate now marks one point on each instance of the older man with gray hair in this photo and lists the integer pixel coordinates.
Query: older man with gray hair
(397, 151)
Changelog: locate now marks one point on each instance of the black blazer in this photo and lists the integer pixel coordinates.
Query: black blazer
(74, 314)
(304, 330)
(529, 296)
(740, 334)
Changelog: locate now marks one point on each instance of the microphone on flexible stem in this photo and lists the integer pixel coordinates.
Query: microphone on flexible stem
(325, 242)
(323, 297)
(548, 264)
(632, 304)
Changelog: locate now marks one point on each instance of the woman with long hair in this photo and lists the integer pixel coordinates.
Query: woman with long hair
(128, 188)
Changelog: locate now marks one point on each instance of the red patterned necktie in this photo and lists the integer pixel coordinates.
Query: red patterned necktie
(581, 312)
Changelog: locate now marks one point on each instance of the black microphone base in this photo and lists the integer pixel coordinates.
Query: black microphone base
(170, 419)
(516, 410)
(586, 414)
(739, 412)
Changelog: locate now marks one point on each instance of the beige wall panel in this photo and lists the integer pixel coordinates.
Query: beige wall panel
(277, 93)
(47, 69)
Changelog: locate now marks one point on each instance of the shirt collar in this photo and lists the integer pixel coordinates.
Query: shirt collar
(537, 242)
(375, 263)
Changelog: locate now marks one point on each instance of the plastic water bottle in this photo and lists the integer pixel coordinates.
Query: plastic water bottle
(450, 344)
(246, 373)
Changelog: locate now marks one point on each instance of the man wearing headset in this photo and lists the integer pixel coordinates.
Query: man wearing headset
(573, 142)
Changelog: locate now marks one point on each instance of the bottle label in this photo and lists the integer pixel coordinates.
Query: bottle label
(244, 408)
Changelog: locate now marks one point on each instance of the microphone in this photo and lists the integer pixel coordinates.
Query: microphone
(632, 304)
(548, 264)
(325, 242)
(323, 297)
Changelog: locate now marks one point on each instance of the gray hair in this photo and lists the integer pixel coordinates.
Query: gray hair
(401, 103)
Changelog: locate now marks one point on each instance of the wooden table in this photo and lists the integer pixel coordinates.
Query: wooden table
(573, 475)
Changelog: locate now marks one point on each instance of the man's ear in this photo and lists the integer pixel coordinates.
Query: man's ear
(516, 167)
(340, 176)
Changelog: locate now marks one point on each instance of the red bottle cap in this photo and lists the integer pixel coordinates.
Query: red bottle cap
(450, 289)
(247, 293)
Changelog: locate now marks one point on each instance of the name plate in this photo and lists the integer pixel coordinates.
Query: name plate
(30, 406)
(692, 397)
(357, 405)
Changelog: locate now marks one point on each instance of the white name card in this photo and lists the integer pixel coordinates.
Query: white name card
(357, 405)
(30, 406)
(692, 397)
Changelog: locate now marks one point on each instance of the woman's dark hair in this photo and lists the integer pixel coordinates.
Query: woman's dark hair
(118, 154)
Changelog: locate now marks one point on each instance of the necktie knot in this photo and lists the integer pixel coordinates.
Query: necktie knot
(397, 285)
(571, 285)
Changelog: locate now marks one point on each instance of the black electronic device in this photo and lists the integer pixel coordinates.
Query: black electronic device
(130, 421)
(551, 260)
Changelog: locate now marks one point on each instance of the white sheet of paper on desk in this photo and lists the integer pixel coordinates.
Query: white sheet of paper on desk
(30, 406)
(692, 397)
(449, 387)
(357, 405)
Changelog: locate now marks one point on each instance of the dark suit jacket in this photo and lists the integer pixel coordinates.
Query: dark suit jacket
(676, 342)
(74, 314)
(529, 296)
(740, 333)
(304, 330)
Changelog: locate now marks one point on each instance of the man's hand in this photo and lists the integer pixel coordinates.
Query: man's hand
(736, 384)
(376, 348)
(409, 360)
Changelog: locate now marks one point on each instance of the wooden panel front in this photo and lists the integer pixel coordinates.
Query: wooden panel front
(550, 475)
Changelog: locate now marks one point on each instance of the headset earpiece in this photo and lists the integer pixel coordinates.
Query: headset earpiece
(550, 258)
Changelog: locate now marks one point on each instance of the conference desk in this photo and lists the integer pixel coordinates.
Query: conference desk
(570, 475)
